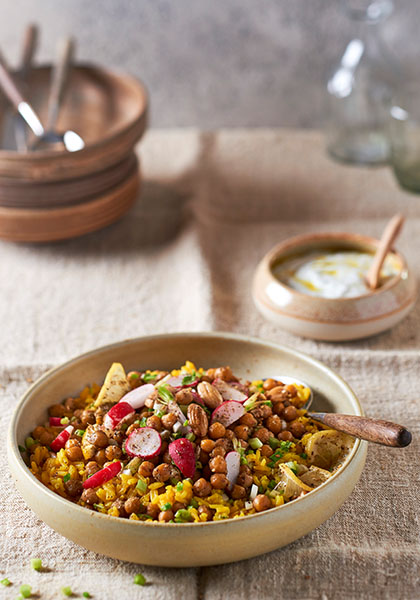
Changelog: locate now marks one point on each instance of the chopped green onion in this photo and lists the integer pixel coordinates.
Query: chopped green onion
(164, 392)
(124, 427)
(176, 436)
(80, 432)
(65, 421)
(36, 564)
(194, 503)
(141, 486)
(25, 590)
(149, 376)
(67, 591)
(134, 464)
(66, 477)
(179, 486)
(304, 455)
(292, 466)
(255, 443)
(272, 484)
(29, 442)
(86, 595)
(190, 436)
(167, 506)
(268, 403)
(182, 515)
(134, 375)
(143, 422)
(189, 379)
(185, 423)
(159, 414)
(274, 443)
(139, 579)
(5, 582)
(22, 448)
(98, 506)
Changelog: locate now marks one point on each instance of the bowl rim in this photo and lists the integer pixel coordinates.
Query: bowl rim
(88, 66)
(272, 255)
(15, 455)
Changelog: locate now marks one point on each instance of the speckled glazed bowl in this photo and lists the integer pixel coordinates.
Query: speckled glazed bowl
(330, 319)
(172, 544)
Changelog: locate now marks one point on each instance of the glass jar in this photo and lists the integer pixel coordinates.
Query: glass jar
(360, 88)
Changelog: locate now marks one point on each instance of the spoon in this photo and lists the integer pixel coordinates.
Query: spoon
(30, 43)
(388, 237)
(377, 431)
(71, 140)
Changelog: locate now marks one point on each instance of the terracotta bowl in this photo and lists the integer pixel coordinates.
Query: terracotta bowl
(195, 544)
(330, 319)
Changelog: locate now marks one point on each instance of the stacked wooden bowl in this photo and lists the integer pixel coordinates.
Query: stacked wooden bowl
(55, 195)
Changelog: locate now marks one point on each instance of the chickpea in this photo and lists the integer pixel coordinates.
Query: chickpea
(87, 418)
(206, 472)
(165, 516)
(99, 439)
(202, 488)
(204, 457)
(262, 412)
(89, 496)
(169, 420)
(100, 457)
(92, 467)
(207, 445)
(269, 384)
(177, 506)
(291, 389)
(266, 450)
(37, 432)
(70, 404)
(244, 480)
(278, 408)
(274, 424)
(261, 503)
(219, 481)
(184, 396)
(248, 419)
(153, 510)
(113, 452)
(263, 434)
(146, 468)
(238, 491)
(206, 510)
(211, 374)
(134, 379)
(225, 373)
(290, 413)
(74, 453)
(217, 430)
(154, 422)
(224, 443)
(119, 505)
(218, 465)
(149, 403)
(132, 505)
(299, 449)
(166, 458)
(46, 438)
(73, 487)
(285, 436)
(162, 472)
(132, 427)
(218, 451)
(56, 410)
(229, 435)
(242, 432)
(297, 428)
(277, 393)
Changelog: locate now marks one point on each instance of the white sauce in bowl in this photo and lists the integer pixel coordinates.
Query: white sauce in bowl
(330, 274)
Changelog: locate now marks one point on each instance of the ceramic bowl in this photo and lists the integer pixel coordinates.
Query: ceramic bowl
(195, 544)
(330, 319)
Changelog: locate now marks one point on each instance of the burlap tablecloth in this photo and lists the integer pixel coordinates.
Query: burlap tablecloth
(183, 259)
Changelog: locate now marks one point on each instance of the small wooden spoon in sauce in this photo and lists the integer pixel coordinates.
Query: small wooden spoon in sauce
(377, 431)
(388, 237)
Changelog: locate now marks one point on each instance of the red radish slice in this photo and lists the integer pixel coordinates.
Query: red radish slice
(137, 397)
(102, 476)
(176, 382)
(61, 439)
(117, 413)
(182, 453)
(229, 392)
(197, 399)
(144, 442)
(233, 463)
(55, 421)
(228, 412)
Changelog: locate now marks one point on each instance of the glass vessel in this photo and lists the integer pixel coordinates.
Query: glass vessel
(360, 88)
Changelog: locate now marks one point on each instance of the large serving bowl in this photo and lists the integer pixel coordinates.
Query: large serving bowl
(194, 544)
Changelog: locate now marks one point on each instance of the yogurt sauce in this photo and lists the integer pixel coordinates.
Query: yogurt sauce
(330, 274)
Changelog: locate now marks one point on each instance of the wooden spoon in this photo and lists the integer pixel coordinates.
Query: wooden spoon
(389, 236)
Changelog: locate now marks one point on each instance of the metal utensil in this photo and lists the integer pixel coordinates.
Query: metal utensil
(377, 431)
(30, 43)
(389, 235)
(71, 140)
(59, 79)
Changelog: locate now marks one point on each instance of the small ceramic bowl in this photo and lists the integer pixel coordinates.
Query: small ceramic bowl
(332, 319)
(189, 544)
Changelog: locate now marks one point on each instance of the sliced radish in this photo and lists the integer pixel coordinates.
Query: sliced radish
(233, 463)
(228, 412)
(182, 453)
(198, 399)
(254, 492)
(229, 392)
(173, 407)
(117, 413)
(61, 439)
(176, 381)
(102, 476)
(137, 397)
(144, 442)
(55, 421)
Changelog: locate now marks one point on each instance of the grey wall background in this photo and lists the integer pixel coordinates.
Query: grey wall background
(212, 63)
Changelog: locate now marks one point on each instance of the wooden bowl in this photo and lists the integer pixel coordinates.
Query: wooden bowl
(60, 223)
(193, 544)
(107, 109)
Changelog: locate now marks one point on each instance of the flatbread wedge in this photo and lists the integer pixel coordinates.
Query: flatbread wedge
(326, 449)
(114, 387)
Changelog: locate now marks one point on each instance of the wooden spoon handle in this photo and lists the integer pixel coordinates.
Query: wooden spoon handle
(8, 85)
(58, 80)
(377, 431)
(389, 235)
(30, 43)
